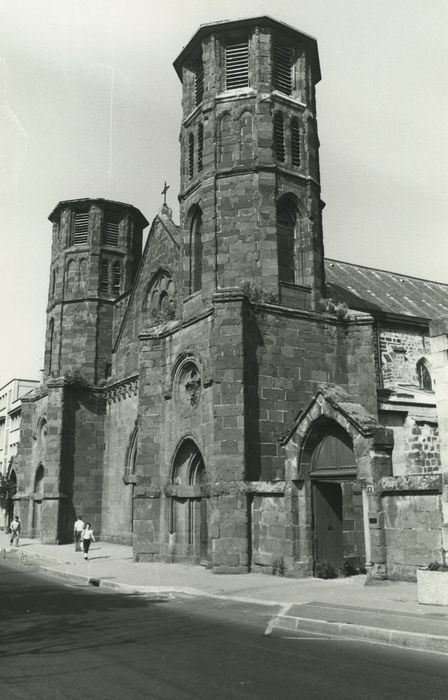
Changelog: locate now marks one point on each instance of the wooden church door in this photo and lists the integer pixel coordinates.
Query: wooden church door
(328, 535)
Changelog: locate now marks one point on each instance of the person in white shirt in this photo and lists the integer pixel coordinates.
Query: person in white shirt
(15, 530)
(87, 538)
(78, 527)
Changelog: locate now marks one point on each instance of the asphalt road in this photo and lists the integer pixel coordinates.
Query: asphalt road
(59, 641)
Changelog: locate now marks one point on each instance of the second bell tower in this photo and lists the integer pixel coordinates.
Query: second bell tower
(250, 188)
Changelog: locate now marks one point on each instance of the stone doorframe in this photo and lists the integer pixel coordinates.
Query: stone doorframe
(372, 447)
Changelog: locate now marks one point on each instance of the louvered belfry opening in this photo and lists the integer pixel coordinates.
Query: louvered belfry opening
(199, 83)
(112, 227)
(295, 142)
(283, 72)
(279, 137)
(237, 65)
(116, 278)
(80, 228)
(104, 277)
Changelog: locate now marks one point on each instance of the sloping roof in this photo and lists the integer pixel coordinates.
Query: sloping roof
(379, 292)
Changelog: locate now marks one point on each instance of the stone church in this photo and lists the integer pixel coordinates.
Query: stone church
(228, 396)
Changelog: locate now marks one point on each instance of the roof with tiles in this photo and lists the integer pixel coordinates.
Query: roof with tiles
(379, 292)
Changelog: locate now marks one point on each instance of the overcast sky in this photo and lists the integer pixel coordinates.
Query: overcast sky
(90, 106)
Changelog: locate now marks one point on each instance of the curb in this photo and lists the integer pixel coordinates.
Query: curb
(399, 638)
(161, 591)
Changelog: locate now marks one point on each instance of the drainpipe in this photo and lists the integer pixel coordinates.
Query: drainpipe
(365, 517)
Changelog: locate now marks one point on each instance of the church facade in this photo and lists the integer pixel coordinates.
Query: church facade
(228, 396)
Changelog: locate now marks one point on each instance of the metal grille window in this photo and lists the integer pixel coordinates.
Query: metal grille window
(104, 277)
(190, 155)
(80, 228)
(199, 84)
(279, 137)
(295, 142)
(112, 227)
(116, 278)
(283, 71)
(200, 145)
(237, 65)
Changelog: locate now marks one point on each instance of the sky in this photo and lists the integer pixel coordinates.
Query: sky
(90, 106)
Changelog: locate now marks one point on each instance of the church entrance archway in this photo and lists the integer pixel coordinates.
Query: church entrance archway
(189, 510)
(338, 543)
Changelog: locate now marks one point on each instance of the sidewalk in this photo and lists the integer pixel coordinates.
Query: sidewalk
(386, 612)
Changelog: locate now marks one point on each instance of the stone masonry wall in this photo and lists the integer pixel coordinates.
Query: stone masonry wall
(412, 526)
(117, 508)
(288, 356)
(160, 251)
(82, 456)
(400, 350)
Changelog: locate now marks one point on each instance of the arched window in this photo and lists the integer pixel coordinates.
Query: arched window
(196, 251)
(160, 301)
(116, 277)
(53, 283)
(286, 241)
(82, 286)
(39, 480)
(131, 456)
(295, 142)
(279, 137)
(70, 278)
(200, 145)
(50, 345)
(190, 155)
(424, 375)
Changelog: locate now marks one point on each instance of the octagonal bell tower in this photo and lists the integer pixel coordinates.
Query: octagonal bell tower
(250, 189)
(96, 250)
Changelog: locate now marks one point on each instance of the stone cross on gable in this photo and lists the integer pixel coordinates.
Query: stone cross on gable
(164, 191)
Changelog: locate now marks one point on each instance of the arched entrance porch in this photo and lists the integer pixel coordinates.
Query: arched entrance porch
(336, 451)
(188, 527)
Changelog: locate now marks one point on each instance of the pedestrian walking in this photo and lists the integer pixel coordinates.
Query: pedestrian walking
(87, 538)
(15, 530)
(78, 527)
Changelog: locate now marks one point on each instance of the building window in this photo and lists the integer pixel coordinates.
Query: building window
(196, 251)
(50, 345)
(200, 145)
(237, 65)
(199, 84)
(80, 228)
(283, 71)
(295, 142)
(112, 226)
(190, 156)
(279, 137)
(424, 376)
(104, 277)
(53, 283)
(160, 301)
(116, 278)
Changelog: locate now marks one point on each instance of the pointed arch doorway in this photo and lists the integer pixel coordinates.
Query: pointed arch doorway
(189, 510)
(336, 502)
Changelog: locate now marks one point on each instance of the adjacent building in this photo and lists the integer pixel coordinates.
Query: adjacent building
(229, 396)
(10, 420)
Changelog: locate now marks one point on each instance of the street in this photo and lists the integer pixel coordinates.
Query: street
(64, 641)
